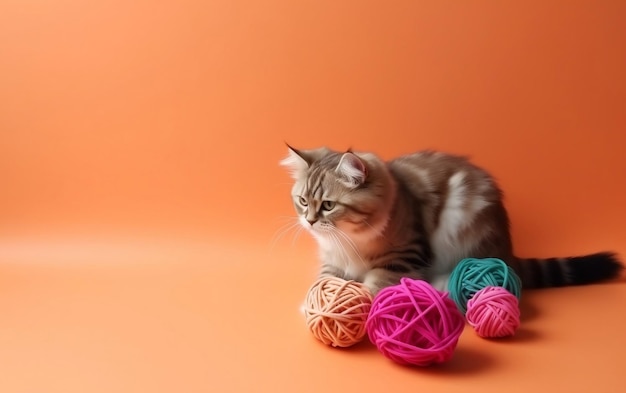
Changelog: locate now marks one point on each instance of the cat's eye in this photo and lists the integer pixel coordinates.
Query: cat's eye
(328, 205)
(303, 201)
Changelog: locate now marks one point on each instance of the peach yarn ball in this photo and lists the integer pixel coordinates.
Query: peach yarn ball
(336, 311)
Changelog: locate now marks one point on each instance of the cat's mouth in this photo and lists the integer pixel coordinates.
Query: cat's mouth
(329, 229)
(317, 226)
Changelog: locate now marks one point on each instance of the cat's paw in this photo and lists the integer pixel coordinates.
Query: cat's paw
(373, 286)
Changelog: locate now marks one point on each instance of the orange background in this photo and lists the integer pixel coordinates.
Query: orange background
(140, 187)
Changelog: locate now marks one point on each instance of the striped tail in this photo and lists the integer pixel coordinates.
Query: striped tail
(558, 272)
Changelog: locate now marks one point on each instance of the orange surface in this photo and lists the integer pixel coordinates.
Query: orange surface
(141, 192)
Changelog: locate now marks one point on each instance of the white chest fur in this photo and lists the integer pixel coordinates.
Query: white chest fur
(342, 253)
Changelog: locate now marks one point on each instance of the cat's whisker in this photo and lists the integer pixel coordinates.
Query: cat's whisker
(336, 242)
(352, 245)
(296, 235)
(378, 232)
(283, 230)
(339, 245)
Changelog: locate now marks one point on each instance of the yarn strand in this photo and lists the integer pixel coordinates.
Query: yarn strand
(413, 323)
(336, 311)
(472, 274)
(493, 312)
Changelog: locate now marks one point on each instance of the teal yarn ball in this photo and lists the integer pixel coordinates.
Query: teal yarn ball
(473, 274)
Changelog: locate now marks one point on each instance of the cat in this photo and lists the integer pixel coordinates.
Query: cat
(416, 216)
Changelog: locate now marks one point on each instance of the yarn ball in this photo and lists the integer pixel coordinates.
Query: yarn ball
(472, 274)
(336, 311)
(412, 323)
(493, 312)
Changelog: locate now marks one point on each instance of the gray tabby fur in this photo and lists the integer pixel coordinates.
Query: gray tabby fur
(415, 216)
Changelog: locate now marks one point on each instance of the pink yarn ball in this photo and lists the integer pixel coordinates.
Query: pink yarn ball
(493, 312)
(412, 323)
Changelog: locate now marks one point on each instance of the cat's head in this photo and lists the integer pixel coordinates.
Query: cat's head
(345, 191)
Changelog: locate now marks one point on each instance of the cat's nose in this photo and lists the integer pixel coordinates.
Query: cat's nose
(311, 221)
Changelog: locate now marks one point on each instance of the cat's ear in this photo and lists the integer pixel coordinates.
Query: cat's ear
(352, 169)
(295, 162)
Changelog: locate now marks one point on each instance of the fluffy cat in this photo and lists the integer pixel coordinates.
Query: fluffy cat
(415, 216)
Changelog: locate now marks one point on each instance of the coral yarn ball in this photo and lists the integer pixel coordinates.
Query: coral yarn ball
(493, 312)
(412, 323)
(336, 311)
(472, 274)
